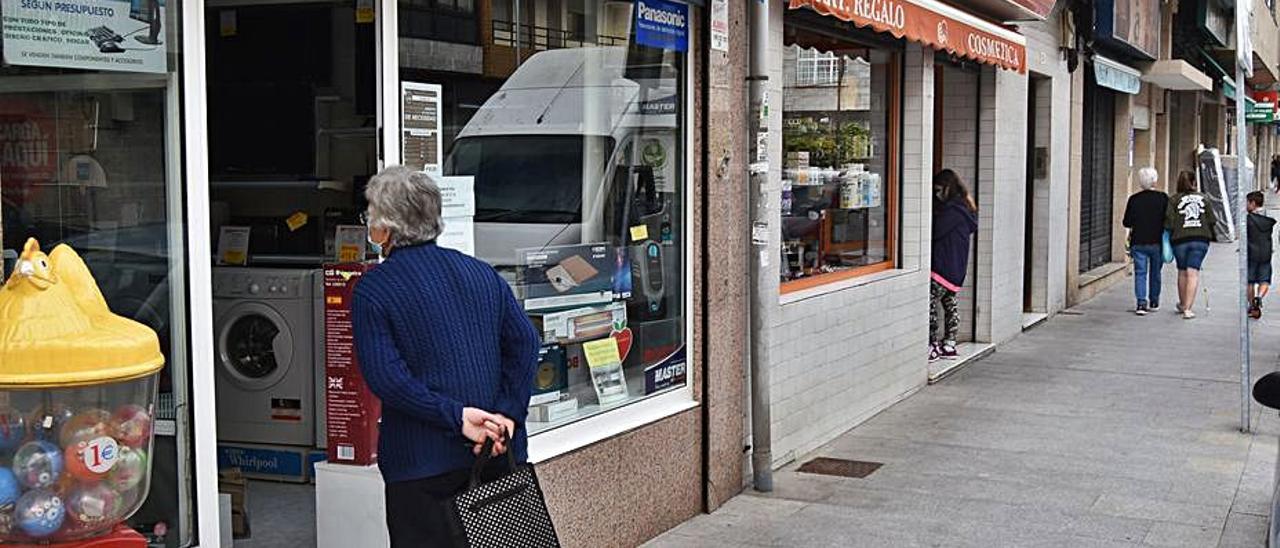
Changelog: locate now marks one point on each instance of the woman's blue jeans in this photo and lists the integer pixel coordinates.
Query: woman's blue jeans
(1148, 260)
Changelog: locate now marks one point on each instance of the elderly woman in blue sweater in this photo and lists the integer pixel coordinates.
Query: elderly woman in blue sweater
(443, 343)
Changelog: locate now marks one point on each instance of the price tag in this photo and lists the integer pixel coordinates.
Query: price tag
(296, 221)
(639, 233)
(100, 455)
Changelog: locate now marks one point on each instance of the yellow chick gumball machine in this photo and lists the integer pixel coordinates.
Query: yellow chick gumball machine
(77, 400)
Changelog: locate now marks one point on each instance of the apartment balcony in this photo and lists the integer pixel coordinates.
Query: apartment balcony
(507, 44)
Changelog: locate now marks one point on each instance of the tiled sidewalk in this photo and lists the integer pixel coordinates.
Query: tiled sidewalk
(1097, 428)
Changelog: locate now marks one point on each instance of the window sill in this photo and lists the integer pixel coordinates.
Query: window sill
(566, 439)
(1100, 273)
(845, 284)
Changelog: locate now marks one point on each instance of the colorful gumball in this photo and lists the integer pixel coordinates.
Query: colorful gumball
(90, 460)
(86, 425)
(9, 490)
(132, 425)
(129, 469)
(37, 464)
(13, 430)
(46, 423)
(40, 513)
(91, 507)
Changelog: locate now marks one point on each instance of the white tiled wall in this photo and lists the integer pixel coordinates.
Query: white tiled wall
(1053, 118)
(844, 353)
(1001, 202)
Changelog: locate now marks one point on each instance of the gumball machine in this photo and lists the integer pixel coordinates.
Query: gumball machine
(77, 394)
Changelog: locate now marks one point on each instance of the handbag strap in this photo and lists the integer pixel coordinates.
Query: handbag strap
(486, 455)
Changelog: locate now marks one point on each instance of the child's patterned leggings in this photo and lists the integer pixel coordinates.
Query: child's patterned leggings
(944, 298)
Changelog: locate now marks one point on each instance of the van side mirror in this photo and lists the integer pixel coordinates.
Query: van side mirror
(1267, 390)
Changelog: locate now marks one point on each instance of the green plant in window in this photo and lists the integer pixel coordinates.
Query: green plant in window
(829, 143)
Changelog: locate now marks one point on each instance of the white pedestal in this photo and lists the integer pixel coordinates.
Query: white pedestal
(351, 507)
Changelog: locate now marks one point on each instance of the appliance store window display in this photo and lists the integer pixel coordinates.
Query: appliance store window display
(839, 171)
(577, 158)
(90, 137)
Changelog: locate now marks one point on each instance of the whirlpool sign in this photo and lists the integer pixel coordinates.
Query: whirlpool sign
(662, 25)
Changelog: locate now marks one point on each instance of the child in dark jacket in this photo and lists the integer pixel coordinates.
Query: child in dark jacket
(955, 220)
(1259, 232)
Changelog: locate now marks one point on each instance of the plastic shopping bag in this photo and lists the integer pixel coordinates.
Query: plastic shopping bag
(1167, 248)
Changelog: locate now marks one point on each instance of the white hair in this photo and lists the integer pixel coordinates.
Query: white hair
(406, 203)
(1147, 178)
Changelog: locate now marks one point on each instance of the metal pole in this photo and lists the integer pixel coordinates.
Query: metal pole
(1242, 245)
(515, 26)
(761, 251)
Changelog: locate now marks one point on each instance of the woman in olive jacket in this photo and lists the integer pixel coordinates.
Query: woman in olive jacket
(1190, 222)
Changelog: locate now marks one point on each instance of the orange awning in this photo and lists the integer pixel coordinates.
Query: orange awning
(933, 24)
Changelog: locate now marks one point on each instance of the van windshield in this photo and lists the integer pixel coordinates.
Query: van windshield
(526, 178)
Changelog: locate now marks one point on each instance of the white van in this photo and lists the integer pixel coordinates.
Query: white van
(547, 148)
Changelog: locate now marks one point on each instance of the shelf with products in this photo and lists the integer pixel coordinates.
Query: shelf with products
(827, 217)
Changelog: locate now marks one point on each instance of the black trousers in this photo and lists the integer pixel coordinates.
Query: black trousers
(417, 510)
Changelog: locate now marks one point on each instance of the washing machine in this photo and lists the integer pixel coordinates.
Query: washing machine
(269, 343)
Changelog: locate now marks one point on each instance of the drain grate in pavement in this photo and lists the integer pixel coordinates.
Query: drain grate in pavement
(840, 467)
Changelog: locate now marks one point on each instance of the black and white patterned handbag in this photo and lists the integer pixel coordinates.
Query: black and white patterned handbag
(504, 513)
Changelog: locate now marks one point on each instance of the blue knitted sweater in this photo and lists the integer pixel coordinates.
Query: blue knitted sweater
(436, 331)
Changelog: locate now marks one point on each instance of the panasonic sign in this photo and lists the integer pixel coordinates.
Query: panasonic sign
(662, 24)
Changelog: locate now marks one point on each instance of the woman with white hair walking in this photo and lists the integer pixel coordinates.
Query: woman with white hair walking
(1144, 217)
(443, 343)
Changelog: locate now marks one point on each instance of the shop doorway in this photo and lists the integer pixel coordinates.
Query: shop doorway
(294, 132)
(1097, 184)
(956, 146)
(1036, 227)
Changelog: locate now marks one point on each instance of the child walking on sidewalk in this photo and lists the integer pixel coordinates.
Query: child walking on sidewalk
(1259, 234)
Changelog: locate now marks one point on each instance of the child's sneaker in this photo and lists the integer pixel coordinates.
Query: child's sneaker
(948, 351)
(934, 353)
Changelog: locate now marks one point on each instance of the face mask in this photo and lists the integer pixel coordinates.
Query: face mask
(377, 247)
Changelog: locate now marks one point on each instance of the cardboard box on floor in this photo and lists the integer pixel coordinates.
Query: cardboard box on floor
(232, 482)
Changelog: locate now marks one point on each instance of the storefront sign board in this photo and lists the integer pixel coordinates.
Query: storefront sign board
(351, 410)
(1041, 8)
(918, 23)
(661, 24)
(111, 35)
(720, 25)
(1215, 20)
(1131, 25)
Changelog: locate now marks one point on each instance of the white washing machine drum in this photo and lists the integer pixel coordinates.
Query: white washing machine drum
(255, 346)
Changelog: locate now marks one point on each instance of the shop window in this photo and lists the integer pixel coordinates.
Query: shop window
(90, 157)
(839, 181)
(580, 196)
(443, 20)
